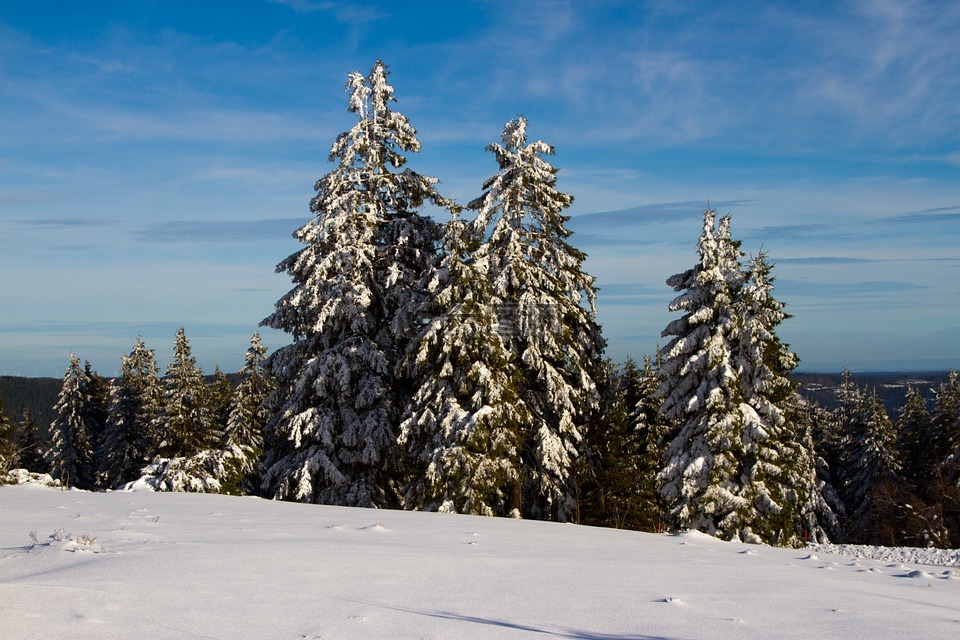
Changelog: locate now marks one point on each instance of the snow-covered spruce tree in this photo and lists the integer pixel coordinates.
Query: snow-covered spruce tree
(332, 437)
(650, 431)
(944, 437)
(219, 401)
(128, 442)
(462, 428)
(913, 429)
(871, 470)
(184, 421)
(28, 444)
(775, 466)
(701, 394)
(69, 456)
(95, 412)
(547, 315)
(945, 487)
(243, 438)
(820, 507)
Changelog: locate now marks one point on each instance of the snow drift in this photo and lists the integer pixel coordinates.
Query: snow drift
(159, 565)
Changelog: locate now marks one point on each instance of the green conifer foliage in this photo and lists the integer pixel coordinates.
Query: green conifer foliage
(69, 455)
(243, 438)
(547, 315)
(700, 390)
(463, 427)
(184, 421)
(129, 440)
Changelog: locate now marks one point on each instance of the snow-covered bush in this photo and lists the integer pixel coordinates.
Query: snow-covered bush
(205, 472)
(22, 476)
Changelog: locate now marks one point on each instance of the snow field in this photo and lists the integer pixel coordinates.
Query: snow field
(166, 565)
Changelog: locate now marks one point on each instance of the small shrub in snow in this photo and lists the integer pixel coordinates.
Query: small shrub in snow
(67, 541)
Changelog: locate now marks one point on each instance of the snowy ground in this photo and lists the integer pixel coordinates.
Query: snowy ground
(207, 566)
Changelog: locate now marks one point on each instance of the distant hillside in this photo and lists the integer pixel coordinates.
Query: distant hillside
(37, 395)
(824, 388)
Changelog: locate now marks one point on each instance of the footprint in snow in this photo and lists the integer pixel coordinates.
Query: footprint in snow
(671, 600)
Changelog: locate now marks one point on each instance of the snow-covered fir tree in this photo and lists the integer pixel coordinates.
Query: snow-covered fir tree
(700, 389)
(184, 421)
(332, 437)
(28, 442)
(913, 429)
(650, 431)
(774, 466)
(462, 429)
(69, 455)
(95, 411)
(547, 314)
(871, 467)
(820, 509)
(248, 414)
(219, 400)
(944, 437)
(128, 440)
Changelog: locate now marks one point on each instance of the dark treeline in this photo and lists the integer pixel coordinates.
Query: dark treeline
(458, 366)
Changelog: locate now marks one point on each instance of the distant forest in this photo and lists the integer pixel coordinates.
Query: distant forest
(39, 395)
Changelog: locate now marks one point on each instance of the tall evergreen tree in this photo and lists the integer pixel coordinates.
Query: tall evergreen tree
(871, 469)
(69, 455)
(248, 413)
(95, 409)
(913, 428)
(820, 507)
(773, 453)
(128, 438)
(184, 420)
(462, 429)
(219, 400)
(351, 313)
(701, 394)
(30, 455)
(944, 437)
(546, 304)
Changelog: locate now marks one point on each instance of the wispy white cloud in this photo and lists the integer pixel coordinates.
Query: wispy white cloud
(350, 13)
(179, 231)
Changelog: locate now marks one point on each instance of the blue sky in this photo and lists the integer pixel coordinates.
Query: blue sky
(156, 156)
